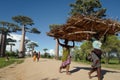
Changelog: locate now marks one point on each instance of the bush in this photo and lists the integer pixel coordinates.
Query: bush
(11, 54)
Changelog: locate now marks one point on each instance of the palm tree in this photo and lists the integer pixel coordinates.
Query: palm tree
(24, 21)
(5, 29)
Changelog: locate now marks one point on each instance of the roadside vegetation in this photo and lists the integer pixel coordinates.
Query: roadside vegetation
(12, 60)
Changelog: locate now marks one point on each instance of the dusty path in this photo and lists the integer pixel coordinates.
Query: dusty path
(47, 69)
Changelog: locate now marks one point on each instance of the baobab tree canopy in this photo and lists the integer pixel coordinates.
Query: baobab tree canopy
(79, 27)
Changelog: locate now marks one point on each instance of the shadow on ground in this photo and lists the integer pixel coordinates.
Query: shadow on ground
(50, 79)
(76, 69)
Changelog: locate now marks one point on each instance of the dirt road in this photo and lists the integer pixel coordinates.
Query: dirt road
(47, 69)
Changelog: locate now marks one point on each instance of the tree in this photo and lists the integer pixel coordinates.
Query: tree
(76, 53)
(45, 49)
(24, 21)
(32, 45)
(11, 42)
(46, 55)
(111, 44)
(86, 48)
(88, 7)
(5, 29)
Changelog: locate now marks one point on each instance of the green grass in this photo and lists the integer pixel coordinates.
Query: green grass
(113, 64)
(4, 63)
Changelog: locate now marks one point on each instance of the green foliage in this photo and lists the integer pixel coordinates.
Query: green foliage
(81, 52)
(112, 44)
(12, 54)
(4, 63)
(23, 20)
(76, 53)
(86, 48)
(35, 30)
(54, 26)
(8, 27)
(88, 7)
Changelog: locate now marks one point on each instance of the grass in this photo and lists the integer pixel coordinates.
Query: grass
(113, 64)
(4, 63)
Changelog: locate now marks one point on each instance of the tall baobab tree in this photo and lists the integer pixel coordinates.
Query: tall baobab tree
(5, 29)
(24, 21)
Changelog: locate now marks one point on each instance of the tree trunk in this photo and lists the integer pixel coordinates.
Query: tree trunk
(32, 51)
(22, 44)
(0, 43)
(11, 48)
(118, 56)
(107, 58)
(57, 50)
(3, 44)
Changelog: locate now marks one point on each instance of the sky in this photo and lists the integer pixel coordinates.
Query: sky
(45, 13)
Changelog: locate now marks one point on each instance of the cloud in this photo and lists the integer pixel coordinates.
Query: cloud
(52, 52)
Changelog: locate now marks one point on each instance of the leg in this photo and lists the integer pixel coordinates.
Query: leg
(67, 69)
(99, 73)
(60, 69)
(91, 71)
(37, 59)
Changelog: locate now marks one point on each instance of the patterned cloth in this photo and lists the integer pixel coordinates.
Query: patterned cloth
(67, 62)
(66, 53)
(95, 60)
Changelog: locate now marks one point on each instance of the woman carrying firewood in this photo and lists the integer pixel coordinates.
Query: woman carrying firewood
(66, 58)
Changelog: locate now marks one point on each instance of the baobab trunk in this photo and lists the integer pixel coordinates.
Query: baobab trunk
(3, 44)
(22, 44)
(57, 50)
(0, 43)
(10, 48)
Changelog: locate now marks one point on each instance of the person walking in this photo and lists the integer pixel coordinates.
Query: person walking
(34, 56)
(66, 58)
(96, 57)
(38, 57)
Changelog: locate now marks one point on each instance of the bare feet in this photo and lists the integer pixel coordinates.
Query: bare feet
(68, 73)
(89, 75)
(60, 70)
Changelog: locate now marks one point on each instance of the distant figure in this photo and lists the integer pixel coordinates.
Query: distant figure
(38, 57)
(34, 56)
(66, 58)
(96, 57)
(7, 58)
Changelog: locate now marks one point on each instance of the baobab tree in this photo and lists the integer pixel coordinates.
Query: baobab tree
(24, 21)
(5, 29)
